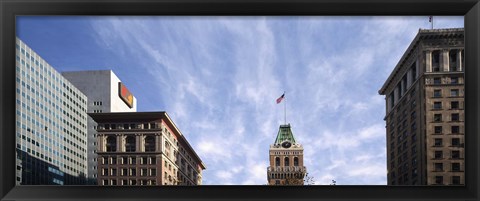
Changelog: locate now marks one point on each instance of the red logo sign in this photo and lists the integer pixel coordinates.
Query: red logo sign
(125, 94)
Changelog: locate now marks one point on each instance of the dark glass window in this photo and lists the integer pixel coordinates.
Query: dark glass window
(438, 166)
(455, 117)
(150, 143)
(454, 105)
(438, 154)
(437, 93)
(438, 142)
(130, 144)
(455, 167)
(455, 129)
(437, 117)
(111, 144)
(438, 129)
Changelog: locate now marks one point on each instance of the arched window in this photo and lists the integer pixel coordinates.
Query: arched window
(287, 162)
(130, 144)
(453, 60)
(295, 161)
(436, 61)
(111, 144)
(277, 161)
(150, 143)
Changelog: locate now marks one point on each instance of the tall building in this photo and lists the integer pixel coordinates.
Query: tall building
(51, 124)
(144, 148)
(105, 93)
(286, 159)
(425, 111)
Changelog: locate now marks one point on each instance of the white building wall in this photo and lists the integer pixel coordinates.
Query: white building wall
(101, 88)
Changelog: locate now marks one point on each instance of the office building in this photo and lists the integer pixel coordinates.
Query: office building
(144, 148)
(51, 124)
(425, 111)
(286, 159)
(105, 93)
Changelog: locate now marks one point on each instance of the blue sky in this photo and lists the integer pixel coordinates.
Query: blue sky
(219, 77)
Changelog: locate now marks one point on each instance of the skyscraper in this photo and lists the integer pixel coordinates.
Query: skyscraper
(51, 124)
(286, 159)
(425, 111)
(106, 93)
(144, 148)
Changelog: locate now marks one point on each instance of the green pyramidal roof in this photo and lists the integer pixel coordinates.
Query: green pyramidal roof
(285, 133)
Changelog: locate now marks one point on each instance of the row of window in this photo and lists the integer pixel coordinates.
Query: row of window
(437, 93)
(455, 142)
(453, 64)
(454, 105)
(455, 117)
(128, 160)
(455, 167)
(128, 126)
(286, 161)
(454, 154)
(453, 130)
(129, 182)
(129, 172)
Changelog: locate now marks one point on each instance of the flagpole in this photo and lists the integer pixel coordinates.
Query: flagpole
(285, 107)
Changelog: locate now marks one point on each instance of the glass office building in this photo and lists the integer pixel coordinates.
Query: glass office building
(51, 124)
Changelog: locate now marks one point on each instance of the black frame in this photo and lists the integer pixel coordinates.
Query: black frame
(11, 8)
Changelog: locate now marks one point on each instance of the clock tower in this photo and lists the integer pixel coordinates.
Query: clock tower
(286, 159)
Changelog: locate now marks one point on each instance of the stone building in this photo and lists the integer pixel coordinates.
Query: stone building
(144, 148)
(286, 159)
(425, 111)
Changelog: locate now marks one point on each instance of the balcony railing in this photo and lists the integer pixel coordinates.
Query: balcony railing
(287, 169)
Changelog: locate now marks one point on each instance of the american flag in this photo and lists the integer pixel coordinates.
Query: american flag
(280, 98)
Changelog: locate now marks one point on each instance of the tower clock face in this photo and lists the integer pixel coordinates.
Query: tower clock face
(286, 144)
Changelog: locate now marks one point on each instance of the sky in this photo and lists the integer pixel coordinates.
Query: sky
(218, 78)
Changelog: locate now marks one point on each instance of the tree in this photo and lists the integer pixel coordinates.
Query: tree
(297, 180)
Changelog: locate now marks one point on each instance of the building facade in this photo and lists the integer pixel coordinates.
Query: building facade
(286, 159)
(425, 111)
(105, 93)
(144, 148)
(51, 124)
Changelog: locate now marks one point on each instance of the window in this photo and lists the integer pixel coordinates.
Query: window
(133, 172)
(437, 117)
(437, 93)
(287, 162)
(438, 129)
(104, 171)
(438, 167)
(454, 105)
(438, 179)
(437, 105)
(144, 160)
(436, 61)
(454, 80)
(124, 172)
(438, 142)
(153, 160)
(438, 154)
(455, 129)
(277, 161)
(144, 172)
(454, 92)
(149, 143)
(456, 154)
(130, 144)
(111, 144)
(455, 167)
(295, 161)
(455, 179)
(455, 142)
(437, 80)
(455, 117)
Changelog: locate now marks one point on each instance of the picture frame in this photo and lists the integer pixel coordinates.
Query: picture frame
(9, 9)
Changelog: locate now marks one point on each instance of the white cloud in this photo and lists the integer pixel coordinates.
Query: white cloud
(218, 78)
